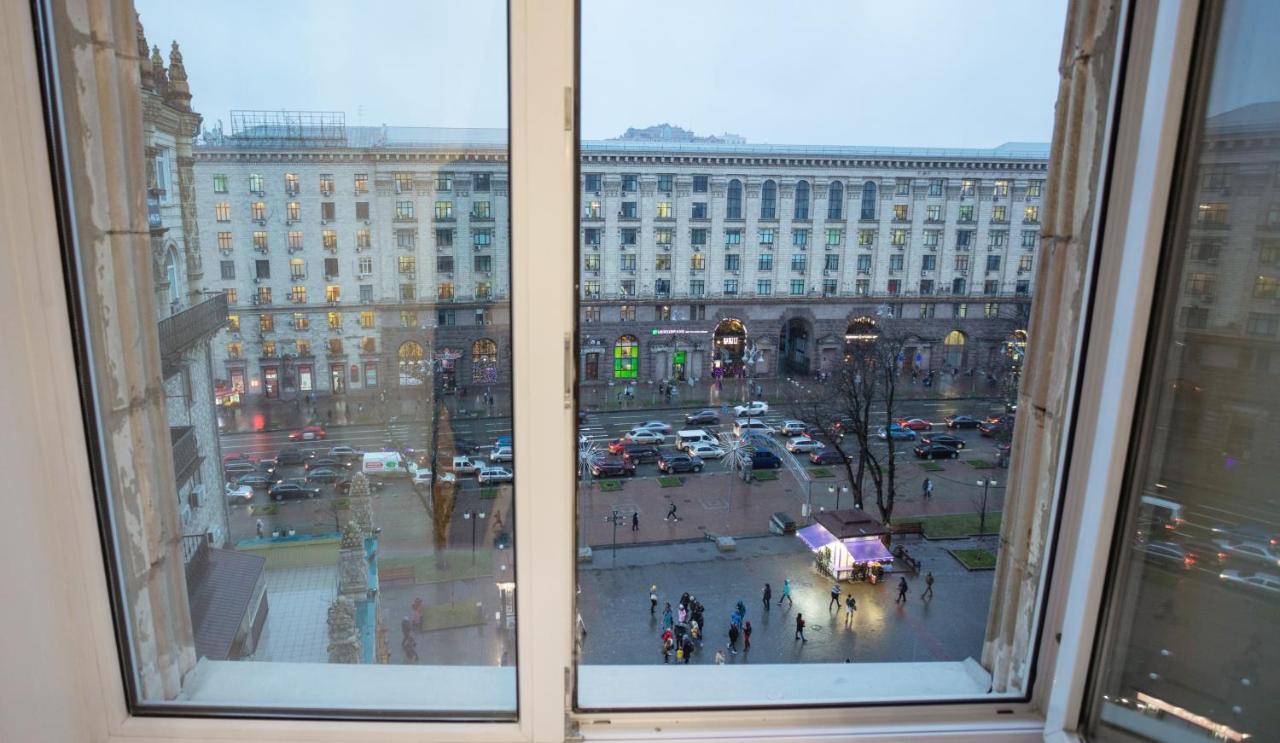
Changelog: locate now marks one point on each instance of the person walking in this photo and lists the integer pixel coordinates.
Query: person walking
(768, 596)
(786, 593)
(850, 606)
(262, 529)
(635, 521)
(835, 597)
(800, 628)
(687, 648)
(667, 644)
(927, 488)
(408, 644)
(746, 637)
(742, 609)
(671, 514)
(902, 591)
(733, 638)
(653, 598)
(667, 620)
(928, 587)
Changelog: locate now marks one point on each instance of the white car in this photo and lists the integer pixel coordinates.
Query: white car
(422, 476)
(704, 450)
(793, 428)
(751, 425)
(238, 493)
(502, 454)
(1249, 550)
(658, 426)
(802, 445)
(465, 465)
(644, 436)
(755, 407)
(1262, 581)
(494, 474)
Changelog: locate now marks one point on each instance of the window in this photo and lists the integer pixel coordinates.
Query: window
(267, 324)
(895, 263)
(628, 210)
(1001, 189)
(733, 201)
(332, 293)
(990, 309)
(1024, 264)
(662, 288)
(219, 183)
(444, 210)
(926, 288)
(964, 239)
(732, 237)
(698, 210)
(999, 213)
(1195, 318)
(697, 262)
(990, 287)
(1029, 238)
(961, 309)
(933, 213)
(769, 200)
(1033, 188)
(262, 269)
(591, 182)
(300, 321)
(258, 211)
(222, 211)
(730, 287)
(630, 183)
(328, 212)
(255, 183)
(334, 320)
(626, 357)
(765, 235)
(591, 289)
(366, 319)
(334, 348)
(900, 212)
(1266, 287)
(866, 238)
(481, 182)
(730, 262)
(627, 235)
(902, 187)
(326, 183)
(363, 238)
(662, 263)
(224, 242)
(403, 182)
(894, 286)
(366, 293)
(997, 239)
(627, 287)
(329, 239)
(591, 210)
(868, 200)
(764, 287)
(898, 237)
(663, 236)
(965, 213)
(959, 286)
(626, 313)
(931, 238)
(697, 288)
(864, 264)
(968, 187)
(1031, 214)
(832, 262)
(928, 262)
(361, 182)
(800, 238)
(666, 183)
(962, 263)
(765, 262)
(444, 181)
(935, 186)
(404, 211)
(861, 287)
(406, 264)
(364, 266)
(799, 262)
(482, 238)
(835, 200)
(698, 236)
(293, 211)
(228, 270)
(801, 211)
(829, 287)
(263, 295)
(835, 236)
(664, 210)
(233, 323)
(297, 269)
(627, 262)
(993, 263)
(927, 309)
(700, 183)
(444, 263)
(444, 237)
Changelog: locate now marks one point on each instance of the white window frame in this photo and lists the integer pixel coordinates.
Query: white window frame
(69, 652)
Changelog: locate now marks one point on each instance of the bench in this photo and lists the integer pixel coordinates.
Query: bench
(400, 572)
(908, 527)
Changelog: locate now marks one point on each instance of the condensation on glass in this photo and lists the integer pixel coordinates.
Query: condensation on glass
(1188, 647)
(329, 295)
(794, 360)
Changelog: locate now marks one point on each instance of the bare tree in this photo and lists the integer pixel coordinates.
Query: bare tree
(825, 406)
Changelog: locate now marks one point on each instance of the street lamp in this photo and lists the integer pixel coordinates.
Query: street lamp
(986, 483)
(615, 518)
(473, 517)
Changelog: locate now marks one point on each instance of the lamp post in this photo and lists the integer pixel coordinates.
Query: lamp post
(987, 483)
(615, 518)
(473, 517)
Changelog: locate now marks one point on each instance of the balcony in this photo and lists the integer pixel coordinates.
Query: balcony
(186, 452)
(183, 330)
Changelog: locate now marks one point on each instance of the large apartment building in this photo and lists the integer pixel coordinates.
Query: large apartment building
(351, 255)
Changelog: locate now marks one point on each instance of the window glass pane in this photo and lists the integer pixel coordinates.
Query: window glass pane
(1187, 650)
(753, 376)
(336, 489)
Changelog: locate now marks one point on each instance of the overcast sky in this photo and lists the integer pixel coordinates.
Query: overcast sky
(866, 72)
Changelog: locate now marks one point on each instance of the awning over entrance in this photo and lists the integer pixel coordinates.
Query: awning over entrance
(815, 536)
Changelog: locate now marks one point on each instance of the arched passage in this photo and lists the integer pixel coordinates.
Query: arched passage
(484, 361)
(795, 344)
(954, 344)
(413, 363)
(727, 345)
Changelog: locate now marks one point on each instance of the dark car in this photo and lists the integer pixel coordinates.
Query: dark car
(290, 455)
(283, 490)
(238, 467)
(329, 462)
(841, 427)
(760, 459)
(640, 453)
(935, 451)
(612, 467)
(702, 417)
(673, 462)
(961, 421)
(1000, 419)
(259, 482)
(826, 456)
(990, 429)
(946, 439)
(323, 474)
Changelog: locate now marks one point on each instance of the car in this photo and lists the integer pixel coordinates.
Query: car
(640, 453)
(702, 417)
(826, 456)
(330, 462)
(759, 459)
(502, 454)
(841, 427)
(261, 482)
(1168, 552)
(753, 408)
(896, 432)
(1248, 533)
(290, 489)
(238, 467)
(323, 474)
(1261, 581)
(422, 476)
(238, 493)
(658, 426)
(915, 424)
(703, 450)
(751, 425)
(946, 439)
(644, 436)
(999, 419)
(494, 474)
(793, 428)
(673, 462)
(308, 433)
(755, 440)
(961, 421)
(935, 451)
(1248, 550)
(465, 465)
(617, 446)
(238, 457)
(290, 455)
(802, 445)
(612, 467)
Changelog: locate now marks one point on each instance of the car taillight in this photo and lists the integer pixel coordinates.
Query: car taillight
(1189, 560)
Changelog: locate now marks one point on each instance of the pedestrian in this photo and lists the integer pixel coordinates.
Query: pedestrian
(733, 638)
(682, 614)
(800, 628)
(850, 606)
(927, 487)
(666, 646)
(262, 529)
(408, 644)
(667, 620)
(719, 657)
(671, 514)
(768, 596)
(786, 593)
(687, 648)
(835, 596)
(635, 521)
(928, 587)
(902, 591)
(746, 636)
(653, 598)
(742, 609)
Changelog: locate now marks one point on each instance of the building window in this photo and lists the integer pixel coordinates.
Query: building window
(764, 287)
(898, 237)
(484, 263)
(228, 270)
(219, 183)
(1266, 287)
(407, 264)
(862, 287)
(800, 238)
(1195, 318)
(591, 210)
(866, 238)
(993, 263)
(297, 269)
(256, 183)
(1033, 188)
(968, 187)
(730, 287)
(894, 287)
(697, 288)
(1029, 238)
(698, 236)
(765, 262)
(630, 183)
(997, 239)
(300, 321)
(835, 200)
(361, 181)
(266, 323)
(332, 293)
(1031, 214)
(990, 287)
(962, 263)
(732, 237)
(662, 262)
(366, 319)
(965, 213)
(698, 210)
(444, 238)
(801, 210)
(626, 357)
(959, 286)
(627, 235)
(233, 323)
(935, 186)
(627, 287)
(663, 236)
(404, 211)
(591, 289)
(700, 183)
(868, 200)
(331, 267)
(627, 262)
(444, 181)
(964, 239)
(664, 210)
(263, 296)
(769, 200)
(730, 262)
(991, 309)
(928, 262)
(960, 310)
(697, 261)
(999, 213)
(444, 210)
(258, 211)
(835, 236)
(899, 212)
(298, 294)
(334, 320)
(329, 239)
(662, 288)
(1024, 264)
(765, 235)
(222, 211)
(926, 287)
(798, 262)
(926, 310)
(833, 262)
(666, 183)
(363, 238)
(366, 293)
(895, 263)
(733, 201)
(931, 238)
(864, 264)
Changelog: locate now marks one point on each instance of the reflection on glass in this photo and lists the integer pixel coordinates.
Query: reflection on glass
(1188, 651)
(787, 374)
(340, 421)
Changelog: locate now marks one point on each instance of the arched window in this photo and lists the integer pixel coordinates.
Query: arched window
(868, 200)
(802, 200)
(733, 209)
(171, 276)
(769, 200)
(484, 361)
(835, 201)
(413, 365)
(626, 357)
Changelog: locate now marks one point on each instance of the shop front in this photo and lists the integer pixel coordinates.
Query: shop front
(848, 544)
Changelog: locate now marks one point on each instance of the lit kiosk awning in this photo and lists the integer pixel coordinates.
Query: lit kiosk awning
(854, 538)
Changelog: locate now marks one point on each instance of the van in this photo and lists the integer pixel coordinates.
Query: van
(384, 464)
(694, 436)
(750, 425)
